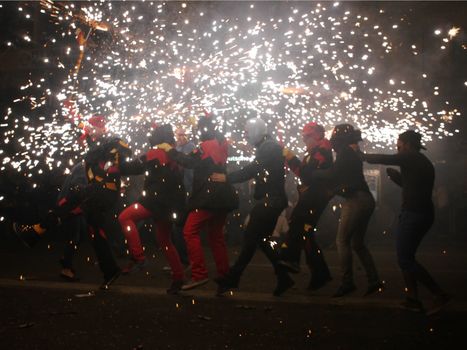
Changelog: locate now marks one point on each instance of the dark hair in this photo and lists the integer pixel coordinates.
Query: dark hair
(413, 138)
(162, 134)
(344, 135)
(206, 128)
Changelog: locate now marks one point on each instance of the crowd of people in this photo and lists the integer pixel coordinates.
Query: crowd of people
(188, 189)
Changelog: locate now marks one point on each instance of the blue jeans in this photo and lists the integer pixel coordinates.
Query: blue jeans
(410, 230)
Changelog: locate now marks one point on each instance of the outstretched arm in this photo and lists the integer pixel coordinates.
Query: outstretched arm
(387, 159)
(246, 173)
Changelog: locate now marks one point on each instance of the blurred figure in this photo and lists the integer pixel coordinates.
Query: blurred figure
(185, 146)
(357, 208)
(416, 177)
(267, 169)
(314, 196)
(74, 226)
(105, 163)
(209, 202)
(163, 199)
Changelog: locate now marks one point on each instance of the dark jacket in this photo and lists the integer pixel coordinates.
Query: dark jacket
(416, 177)
(346, 174)
(269, 173)
(105, 163)
(320, 157)
(163, 190)
(210, 157)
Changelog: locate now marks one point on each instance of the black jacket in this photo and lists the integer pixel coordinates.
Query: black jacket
(268, 170)
(163, 191)
(346, 174)
(208, 158)
(320, 157)
(416, 177)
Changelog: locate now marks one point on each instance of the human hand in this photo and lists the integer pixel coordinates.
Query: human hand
(164, 146)
(287, 153)
(392, 173)
(218, 177)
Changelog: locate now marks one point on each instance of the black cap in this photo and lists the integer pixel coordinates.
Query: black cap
(412, 137)
(345, 134)
(206, 127)
(162, 134)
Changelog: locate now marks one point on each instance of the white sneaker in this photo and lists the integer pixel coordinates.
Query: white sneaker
(194, 284)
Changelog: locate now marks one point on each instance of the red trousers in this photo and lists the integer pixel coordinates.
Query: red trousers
(214, 222)
(128, 219)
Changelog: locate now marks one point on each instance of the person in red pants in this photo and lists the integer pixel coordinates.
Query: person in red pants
(209, 202)
(163, 199)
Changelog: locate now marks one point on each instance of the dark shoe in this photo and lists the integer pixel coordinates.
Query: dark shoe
(134, 266)
(27, 234)
(69, 278)
(195, 284)
(375, 287)
(439, 302)
(108, 282)
(284, 282)
(413, 305)
(175, 287)
(291, 267)
(318, 282)
(344, 290)
(225, 284)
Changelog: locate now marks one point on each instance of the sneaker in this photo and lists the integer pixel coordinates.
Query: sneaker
(111, 280)
(438, 303)
(291, 267)
(284, 282)
(413, 305)
(175, 287)
(134, 266)
(318, 282)
(195, 283)
(344, 290)
(374, 287)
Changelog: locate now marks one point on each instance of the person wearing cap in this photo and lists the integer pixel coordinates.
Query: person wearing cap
(314, 196)
(75, 225)
(209, 202)
(94, 130)
(357, 208)
(267, 169)
(163, 199)
(416, 177)
(104, 164)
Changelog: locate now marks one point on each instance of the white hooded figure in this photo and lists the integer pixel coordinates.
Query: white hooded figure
(256, 130)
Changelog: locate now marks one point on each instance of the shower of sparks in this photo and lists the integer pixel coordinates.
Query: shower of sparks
(142, 63)
(453, 32)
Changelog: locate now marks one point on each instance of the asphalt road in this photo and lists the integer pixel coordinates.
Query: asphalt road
(39, 311)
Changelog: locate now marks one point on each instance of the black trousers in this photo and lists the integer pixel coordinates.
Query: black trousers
(259, 229)
(75, 228)
(301, 235)
(98, 209)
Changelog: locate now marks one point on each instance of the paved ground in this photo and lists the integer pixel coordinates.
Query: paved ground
(38, 311)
